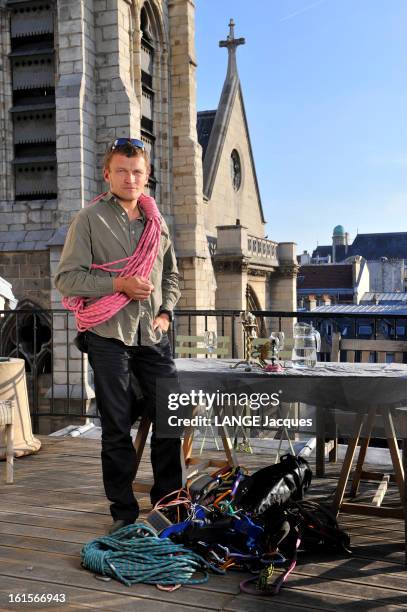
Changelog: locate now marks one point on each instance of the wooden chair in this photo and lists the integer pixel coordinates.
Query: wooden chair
(188, 346)
(6, 421)
(284, 355)
(383, 351)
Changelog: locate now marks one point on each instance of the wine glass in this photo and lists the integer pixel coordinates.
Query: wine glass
(211, 341)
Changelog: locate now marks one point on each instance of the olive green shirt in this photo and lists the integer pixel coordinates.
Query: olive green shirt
(102, 233)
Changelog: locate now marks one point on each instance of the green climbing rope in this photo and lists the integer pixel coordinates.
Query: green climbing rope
(135, 554)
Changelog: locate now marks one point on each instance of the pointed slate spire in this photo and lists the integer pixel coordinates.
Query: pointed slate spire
(214, 147)
(231, 43)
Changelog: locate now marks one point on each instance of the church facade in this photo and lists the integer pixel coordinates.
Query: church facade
(77, 74)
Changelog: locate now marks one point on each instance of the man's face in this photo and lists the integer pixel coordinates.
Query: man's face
(127, 176)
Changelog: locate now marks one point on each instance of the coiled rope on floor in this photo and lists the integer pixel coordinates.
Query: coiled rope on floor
(135, 554)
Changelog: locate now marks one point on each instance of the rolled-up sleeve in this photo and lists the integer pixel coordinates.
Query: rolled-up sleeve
(170, 279)
(74, 277)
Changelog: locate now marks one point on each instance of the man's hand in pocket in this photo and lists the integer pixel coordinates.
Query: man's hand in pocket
(162, 321)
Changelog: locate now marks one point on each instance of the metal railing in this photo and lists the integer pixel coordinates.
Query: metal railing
(59, 381)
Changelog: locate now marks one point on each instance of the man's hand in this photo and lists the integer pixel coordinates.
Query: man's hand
(135, 287)
(162, 321)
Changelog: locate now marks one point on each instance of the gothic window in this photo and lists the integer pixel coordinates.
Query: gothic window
(235, 170)
(148, 128)
(26, 334)
(33, 110)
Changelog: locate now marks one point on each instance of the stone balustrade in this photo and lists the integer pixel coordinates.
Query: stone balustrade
(261, 248)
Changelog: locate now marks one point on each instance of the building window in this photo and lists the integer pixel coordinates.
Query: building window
(33, 110)
(365, 330)
(401, 330)
(235, 170)
(387, 329)
(389, 357)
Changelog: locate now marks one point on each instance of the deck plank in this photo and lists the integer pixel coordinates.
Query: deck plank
(84, 599)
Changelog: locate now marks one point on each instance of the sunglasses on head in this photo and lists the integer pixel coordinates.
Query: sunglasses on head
(139, 144)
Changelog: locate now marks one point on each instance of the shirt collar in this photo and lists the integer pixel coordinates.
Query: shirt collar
(112, 199)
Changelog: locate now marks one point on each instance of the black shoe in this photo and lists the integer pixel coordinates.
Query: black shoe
(118, 524)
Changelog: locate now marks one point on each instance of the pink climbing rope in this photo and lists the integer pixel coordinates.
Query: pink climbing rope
(91, 312)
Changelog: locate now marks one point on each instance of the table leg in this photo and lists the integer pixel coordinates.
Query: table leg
(394, 451)
(187, 444)
(347, 465)
(404, 500)
(228, 447)
(333, 453)
(320, 446)
(362, 453)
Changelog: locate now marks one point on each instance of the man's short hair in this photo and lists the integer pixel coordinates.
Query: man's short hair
(128, 150)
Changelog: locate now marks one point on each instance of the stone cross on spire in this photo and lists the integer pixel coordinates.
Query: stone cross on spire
(231, 43)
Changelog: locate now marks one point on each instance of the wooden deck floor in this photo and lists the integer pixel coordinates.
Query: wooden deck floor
(57, 504)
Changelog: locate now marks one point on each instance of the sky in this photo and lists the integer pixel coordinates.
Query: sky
(325, 90)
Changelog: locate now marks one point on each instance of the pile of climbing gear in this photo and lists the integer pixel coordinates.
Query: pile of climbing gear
(227, 520)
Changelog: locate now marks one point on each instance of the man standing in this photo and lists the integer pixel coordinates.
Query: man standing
(118, 250)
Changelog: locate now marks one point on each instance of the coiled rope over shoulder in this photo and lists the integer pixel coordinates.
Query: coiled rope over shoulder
(89, 313)
(135, 554)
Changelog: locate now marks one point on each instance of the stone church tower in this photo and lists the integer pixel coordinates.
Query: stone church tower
(75, 75)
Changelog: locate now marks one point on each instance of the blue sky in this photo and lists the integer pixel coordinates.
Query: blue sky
(325, 90)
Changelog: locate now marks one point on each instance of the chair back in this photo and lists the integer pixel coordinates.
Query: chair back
(379, 351)
(191, 346)
(283, 355)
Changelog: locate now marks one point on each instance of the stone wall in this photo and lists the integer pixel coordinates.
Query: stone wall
(6, 134)
(75, 99)
(386, 276)
(195, 265)
(29, 274)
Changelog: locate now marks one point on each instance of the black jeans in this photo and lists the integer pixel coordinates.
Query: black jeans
(113, 364)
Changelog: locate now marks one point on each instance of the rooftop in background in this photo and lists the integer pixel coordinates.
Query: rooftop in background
(384, 309)
(395, 297)
(372, 247)
(329, 276)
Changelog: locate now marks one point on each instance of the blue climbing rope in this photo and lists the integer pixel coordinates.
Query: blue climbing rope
(135, 554)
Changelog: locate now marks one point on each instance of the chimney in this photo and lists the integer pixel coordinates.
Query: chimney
(312, 302)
